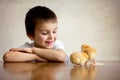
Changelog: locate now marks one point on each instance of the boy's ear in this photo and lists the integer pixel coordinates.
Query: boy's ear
(30, 36)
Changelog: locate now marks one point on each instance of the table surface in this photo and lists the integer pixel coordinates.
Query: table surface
(59, 71)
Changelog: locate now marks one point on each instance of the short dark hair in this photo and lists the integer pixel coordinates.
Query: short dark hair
(37, 13)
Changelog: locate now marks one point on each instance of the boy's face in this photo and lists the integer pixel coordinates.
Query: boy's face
(45, 34)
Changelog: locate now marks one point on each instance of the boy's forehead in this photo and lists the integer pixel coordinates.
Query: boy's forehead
(47, 24)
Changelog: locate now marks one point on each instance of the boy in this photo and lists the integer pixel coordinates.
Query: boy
(41, 27)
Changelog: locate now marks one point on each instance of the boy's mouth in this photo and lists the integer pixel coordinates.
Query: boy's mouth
(49, 43)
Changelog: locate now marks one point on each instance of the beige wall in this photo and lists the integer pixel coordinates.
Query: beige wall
(95, 22)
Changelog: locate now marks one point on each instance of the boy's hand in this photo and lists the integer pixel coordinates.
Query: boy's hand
(26, 50)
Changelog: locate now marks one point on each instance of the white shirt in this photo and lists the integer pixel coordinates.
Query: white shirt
(58, 45)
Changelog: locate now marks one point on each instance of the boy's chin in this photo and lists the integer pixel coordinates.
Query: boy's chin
(48, 47)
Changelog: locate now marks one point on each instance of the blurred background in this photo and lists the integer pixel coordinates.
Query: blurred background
(94, 22)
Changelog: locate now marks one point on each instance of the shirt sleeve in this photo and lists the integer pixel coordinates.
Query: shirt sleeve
(27, 45)
(58, 45)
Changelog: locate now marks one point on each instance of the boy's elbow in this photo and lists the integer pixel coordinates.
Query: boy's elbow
(6, 57)
(61, 57)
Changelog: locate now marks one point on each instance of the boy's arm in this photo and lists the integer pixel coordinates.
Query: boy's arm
(51, 55)
(28, 54)
(14, 56)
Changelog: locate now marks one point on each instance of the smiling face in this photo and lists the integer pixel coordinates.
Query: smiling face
(45, 34)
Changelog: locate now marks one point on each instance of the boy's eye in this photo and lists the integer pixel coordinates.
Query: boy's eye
(54, 31)
(44, 33)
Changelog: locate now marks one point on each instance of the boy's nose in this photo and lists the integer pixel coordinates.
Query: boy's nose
(51, 35)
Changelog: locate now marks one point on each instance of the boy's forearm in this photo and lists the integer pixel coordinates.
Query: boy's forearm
(50, 55)
(12, 56)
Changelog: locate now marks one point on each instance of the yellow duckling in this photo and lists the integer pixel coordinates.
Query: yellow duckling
(87, 54)
(79, 58)
(90, 51)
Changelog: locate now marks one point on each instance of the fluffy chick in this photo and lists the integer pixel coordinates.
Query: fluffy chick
(89, 50)
(79, 58)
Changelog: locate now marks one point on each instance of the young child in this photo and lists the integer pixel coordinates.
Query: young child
(41, 27)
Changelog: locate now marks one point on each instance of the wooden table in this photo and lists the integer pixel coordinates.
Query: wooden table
(59, 71)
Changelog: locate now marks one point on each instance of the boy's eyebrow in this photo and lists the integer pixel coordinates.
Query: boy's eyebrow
(46, 29)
